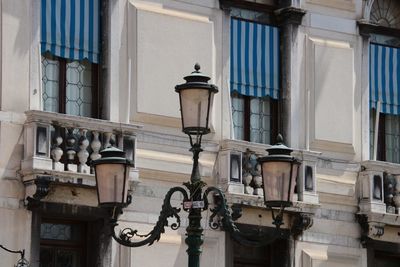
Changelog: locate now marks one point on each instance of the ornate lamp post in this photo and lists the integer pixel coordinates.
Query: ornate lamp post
(279, 171)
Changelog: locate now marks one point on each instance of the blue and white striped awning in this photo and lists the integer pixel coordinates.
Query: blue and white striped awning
(71, 29)
(254, 59)
(385, 78)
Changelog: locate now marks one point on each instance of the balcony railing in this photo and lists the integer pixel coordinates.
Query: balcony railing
(240, 174)
(63, 146)
(379, 187)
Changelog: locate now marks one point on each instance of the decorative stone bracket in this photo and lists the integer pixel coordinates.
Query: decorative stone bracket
(41, 184)
(301, 222)
(369, 229)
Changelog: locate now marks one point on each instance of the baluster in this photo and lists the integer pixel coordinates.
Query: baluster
(95, 145)
(389, 193)
(57, 152)
(247, 177)
(71, 140)
(107, 140)
(257, 181)
(83, 154)
(396, 198)
(246, 174)
(113, 140)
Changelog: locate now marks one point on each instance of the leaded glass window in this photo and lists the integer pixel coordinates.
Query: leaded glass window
(254, 118)
(69, 86)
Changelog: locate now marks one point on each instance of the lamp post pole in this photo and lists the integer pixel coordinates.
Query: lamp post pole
(194, 230)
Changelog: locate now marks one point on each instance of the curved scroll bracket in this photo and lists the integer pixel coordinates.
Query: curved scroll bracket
(221, 217)
(22, 262)
(127, 235)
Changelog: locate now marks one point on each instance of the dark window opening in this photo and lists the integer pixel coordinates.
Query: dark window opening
(63, 243)
(388, 139)
(274, 254)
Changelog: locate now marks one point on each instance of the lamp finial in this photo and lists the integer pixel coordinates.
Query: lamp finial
(279, 139)
(197, 67)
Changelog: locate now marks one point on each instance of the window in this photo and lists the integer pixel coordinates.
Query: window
(384, 83)
(69, 86)
(254, 79)
(254, 118)
(62, 244)
(70, 40)
(275, 254)
(382, 254)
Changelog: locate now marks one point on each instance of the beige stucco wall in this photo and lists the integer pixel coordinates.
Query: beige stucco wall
(153, 44)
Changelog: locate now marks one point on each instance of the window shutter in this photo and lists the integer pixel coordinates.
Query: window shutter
(254, 59)
(71, 29)
(385, 78)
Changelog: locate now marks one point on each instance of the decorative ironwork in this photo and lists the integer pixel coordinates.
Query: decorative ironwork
(22, 262)
(127, 235)
(195, 201)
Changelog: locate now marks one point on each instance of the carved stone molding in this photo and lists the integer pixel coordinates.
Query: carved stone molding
(369, 229)
(367, 28)
(290, 15)
(367, 9)
(245, 4)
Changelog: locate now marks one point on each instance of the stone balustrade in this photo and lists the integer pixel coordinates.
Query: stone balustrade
(65, 145)
(240, 173)
(379, 187)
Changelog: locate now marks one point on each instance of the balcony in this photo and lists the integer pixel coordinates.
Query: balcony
(59, 148)
(379, 199)
(240, 175)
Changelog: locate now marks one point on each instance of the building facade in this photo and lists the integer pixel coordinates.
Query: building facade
(79, 76)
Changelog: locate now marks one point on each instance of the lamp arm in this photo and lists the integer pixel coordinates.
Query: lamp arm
(22, 262)
(22, 252)
(221, 217)
(126, 235)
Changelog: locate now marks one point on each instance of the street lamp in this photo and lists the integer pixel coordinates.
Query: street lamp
(112, 172)
(279, 171)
